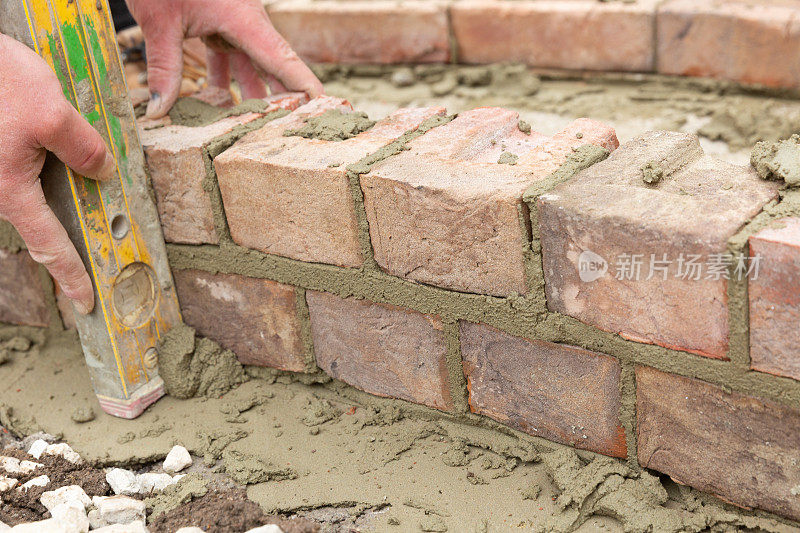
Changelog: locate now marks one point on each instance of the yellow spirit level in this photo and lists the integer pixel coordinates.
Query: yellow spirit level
(113, 224)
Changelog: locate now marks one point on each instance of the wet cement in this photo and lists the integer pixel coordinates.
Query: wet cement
(333, 125)
(303, 449)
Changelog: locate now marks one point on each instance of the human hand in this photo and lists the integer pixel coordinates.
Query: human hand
(241, 41)
(35, 117)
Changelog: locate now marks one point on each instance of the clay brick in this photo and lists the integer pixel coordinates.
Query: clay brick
(255, 318)
(750, 41)
(558, 392)
(364, 31)
(775, 300)
(447, 214)
(609, 215)
(381, 349)
(297, 189)
(741, 448)
(564, 34)
(174, 156)
(23, 300)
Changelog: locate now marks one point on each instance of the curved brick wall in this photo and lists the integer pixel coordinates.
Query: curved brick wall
(747, 41)
(581, 291)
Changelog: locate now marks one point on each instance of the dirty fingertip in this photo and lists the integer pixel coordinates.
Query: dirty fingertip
(109, 168)
(82, 307)
(155, 107)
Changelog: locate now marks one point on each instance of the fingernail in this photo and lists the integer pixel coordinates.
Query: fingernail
(81, 307)
(154, 106)
(109, 167)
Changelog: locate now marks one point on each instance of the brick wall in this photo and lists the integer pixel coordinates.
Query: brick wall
(748, 41)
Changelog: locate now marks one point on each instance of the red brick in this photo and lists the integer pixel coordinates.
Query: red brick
(364, 31)
(381, 349)
(447, 214)
(565, 34)
(290, 196)
(750, 41)
(741, 448)
(608, 210)
(23, 300)
(558, 392)
(255, 318)
(775, 300)
(177, 168)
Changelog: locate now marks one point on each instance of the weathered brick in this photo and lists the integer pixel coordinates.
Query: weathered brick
(297, 188)
(566, 34)
(23, 299)
(741, 448)
(609, 215)
(775, 300)
(750, 41)
(381, 349)
(255, 318)
(364, 31)
(558, 392)
(178, 170)
(447, 214)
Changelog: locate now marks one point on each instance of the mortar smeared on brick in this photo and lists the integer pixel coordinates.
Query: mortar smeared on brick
(779, 161)
(333, 125)
(652, 173)
(193, 112)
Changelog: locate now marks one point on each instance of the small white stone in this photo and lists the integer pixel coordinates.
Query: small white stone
(70, 494)
(177, 459)
(95, 520)
(122, 481)
(269, 528)
(7, 483)
(10, 465)
(72, 514)
(38, 448)
(178, 477)
(153, 482)
(190, 530)
(120, 509)
(4, 527)
(26, 467)
(51, 525)
(39, 481)
(64, 451)
(133, 527)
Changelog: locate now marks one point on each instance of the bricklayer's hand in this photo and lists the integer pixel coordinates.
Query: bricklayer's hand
(35, 117)
(241, 40)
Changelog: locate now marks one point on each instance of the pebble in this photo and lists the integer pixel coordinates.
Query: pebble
(133, 527)
(123, 481)
(72, 515)
(12, 465)
(65, 495)
(51, 525)
(41, 447)
(269, 528)
(190, 530)
(177, 459)
(38, 448)
(154, 482)
(39, 481)
(7, 483)
(119, 509)
(403, 77)
(4, 527)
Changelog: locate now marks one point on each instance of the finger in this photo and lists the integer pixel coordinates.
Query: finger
(245, 74)
(75, 142)
(272, 54)
(275, 87)
(48, 244)
(218, 69)
(164, 69)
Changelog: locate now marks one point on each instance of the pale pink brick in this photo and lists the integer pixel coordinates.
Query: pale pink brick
(255, 318)
(558, 392)
(750, 41)
(564, 34)
(775, 300)
(364, 31)
(741, 448)
(447, 214)
(174, 156)
(23, 300)
(290, 196)
(609, 211)
(381, 349)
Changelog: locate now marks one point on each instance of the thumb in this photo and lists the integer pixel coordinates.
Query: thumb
(164, 69)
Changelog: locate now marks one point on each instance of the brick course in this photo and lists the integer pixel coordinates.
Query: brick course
(608, 210)
(298, 189)
(741, 448)
(775, 300)
(23, 300)
(381, 349)
(255, 318)
(446, 213)
(561, 393)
